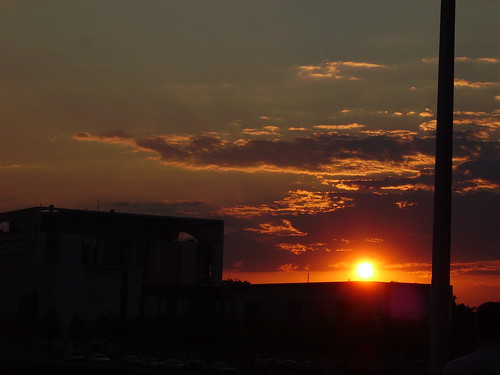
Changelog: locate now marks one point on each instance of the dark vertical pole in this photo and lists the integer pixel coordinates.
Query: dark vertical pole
(440, 299)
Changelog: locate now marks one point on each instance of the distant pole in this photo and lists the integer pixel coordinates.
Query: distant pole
(440, 295)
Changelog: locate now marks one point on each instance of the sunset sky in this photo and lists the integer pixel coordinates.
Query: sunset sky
(308, 126)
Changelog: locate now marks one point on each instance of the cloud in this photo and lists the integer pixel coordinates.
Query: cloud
(165, 207)
(428, 126)
(10, 166)
(485, 169)
(374, 240)
(399, 134)
(489, 60)
(460, 82)
(475, 185)
(462, 59)
(318, 153)
(339, 184)
(288, 267)
(112, 137)
(366, 154)
(425, 114)
(489, 120)
(284, 230)
(299, 202)
(335, 70)
(486, 267)
(298, 248)
(340, 266)
(423, 270)
(406, 187)
(339, 127)
(266, 130)
(405, 204)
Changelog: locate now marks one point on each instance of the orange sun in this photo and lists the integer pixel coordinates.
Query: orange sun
(365, 270)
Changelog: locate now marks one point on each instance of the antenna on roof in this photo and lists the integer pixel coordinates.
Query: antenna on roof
(98, 204)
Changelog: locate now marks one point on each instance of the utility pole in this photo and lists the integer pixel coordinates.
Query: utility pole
(441, 243)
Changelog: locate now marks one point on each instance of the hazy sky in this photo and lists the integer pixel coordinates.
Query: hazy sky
(308, 126)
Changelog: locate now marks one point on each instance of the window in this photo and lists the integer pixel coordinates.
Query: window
(5, 227)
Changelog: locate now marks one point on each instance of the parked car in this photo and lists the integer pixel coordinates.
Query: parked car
(74, 356)
(221, 368)
(151, 362)
(98, 358)
(173, 364)
(129, 360)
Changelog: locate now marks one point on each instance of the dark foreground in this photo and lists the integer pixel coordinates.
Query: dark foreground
(24, 366)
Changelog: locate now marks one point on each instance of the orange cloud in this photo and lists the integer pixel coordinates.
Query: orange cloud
(489, 60)
(299, 202)
(477, 184)
(400, 134)
(339, 127)
(405, 204)
(425, 114)
(284, 230)
(459, 82)
(428, 126)
(484, 119)
(298, 248)
(112, 137)
(10, 166)
(343, 186)
(334, 70)
(374, 240)
(266, 130)
(408, 187)
(289, 267)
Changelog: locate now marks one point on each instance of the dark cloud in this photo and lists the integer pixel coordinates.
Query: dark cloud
(328, 153)
(477, 268)
(487, 169)
(167, 208)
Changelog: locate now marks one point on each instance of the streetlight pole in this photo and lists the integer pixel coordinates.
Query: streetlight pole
(440, 295)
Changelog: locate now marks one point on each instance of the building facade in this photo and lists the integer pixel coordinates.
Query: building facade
(354, 299)
(91, 262)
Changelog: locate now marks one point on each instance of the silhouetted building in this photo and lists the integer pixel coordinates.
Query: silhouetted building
(308, 301)
(90, 262)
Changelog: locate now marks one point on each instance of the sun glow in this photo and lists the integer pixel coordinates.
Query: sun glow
(365, 270)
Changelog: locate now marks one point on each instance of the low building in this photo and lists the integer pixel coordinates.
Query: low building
(308, 301)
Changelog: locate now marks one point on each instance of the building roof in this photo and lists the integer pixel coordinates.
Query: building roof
(111, 213)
